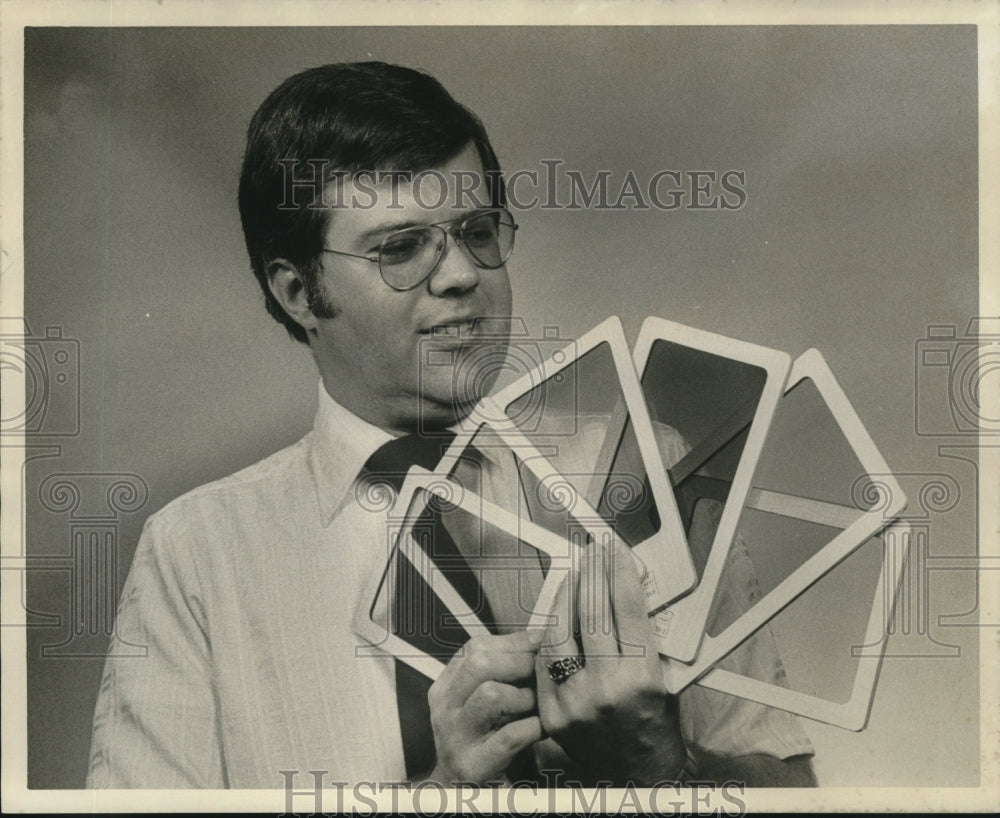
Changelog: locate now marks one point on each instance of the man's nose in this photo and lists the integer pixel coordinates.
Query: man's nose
(456, 270)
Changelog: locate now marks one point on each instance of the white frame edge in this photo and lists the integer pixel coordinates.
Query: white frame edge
(665, 554)
(683, 622)
(852, 715)
(812, 366)
(381, 640)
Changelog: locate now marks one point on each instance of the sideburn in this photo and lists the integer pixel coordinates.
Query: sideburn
(320, 303)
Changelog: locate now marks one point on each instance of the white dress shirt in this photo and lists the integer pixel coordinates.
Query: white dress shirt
(243, 593)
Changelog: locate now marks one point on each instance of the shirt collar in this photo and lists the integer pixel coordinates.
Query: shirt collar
(341, 443)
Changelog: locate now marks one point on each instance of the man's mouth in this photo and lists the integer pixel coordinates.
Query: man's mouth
(458, 328)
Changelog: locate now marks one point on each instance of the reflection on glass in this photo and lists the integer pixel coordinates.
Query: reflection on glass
(463, 560)
(409, 605)
(495, 473)
(817, 635)
(579, 421)
(702, 405)
(807, 455)
(804, 491)
(626, 500)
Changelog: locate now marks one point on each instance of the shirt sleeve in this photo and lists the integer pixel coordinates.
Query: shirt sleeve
(156, 721)
(719, 722)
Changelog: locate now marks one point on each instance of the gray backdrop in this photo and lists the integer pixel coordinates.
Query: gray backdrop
(859, 230)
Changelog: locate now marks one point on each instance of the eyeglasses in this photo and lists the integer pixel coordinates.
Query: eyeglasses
(407, 257)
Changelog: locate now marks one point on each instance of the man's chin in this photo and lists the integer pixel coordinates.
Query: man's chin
(457, 390)
(440, 413)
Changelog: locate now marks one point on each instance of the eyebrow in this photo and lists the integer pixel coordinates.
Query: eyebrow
(392, 227)
(389, 227)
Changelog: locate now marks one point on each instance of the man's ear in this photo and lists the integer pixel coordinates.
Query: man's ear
(288, 287)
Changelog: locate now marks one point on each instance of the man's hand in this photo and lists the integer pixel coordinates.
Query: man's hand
(483, 708)
(613, 717)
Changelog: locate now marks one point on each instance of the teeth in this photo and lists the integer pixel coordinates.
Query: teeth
(452, 329)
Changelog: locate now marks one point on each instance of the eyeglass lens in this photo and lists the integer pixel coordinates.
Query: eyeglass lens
(407, 257)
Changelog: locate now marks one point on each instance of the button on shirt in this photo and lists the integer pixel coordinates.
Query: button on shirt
(243, 592)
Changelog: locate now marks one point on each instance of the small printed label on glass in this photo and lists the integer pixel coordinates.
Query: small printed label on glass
(661, 623)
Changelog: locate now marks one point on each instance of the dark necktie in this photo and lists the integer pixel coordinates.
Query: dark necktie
(417, 615)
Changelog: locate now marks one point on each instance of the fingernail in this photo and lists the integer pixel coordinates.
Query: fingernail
(535, 636)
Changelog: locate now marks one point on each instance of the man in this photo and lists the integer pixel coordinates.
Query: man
(243, 591)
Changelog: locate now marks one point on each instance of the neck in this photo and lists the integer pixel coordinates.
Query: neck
(400, 417)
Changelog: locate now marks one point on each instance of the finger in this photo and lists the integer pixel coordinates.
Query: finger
(509, 658)
(510, 739)
(559, 637)
(597, 630)
(628, 604)
(494, 704)
(559, 642)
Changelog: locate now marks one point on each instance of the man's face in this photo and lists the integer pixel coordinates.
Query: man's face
(395, 358)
